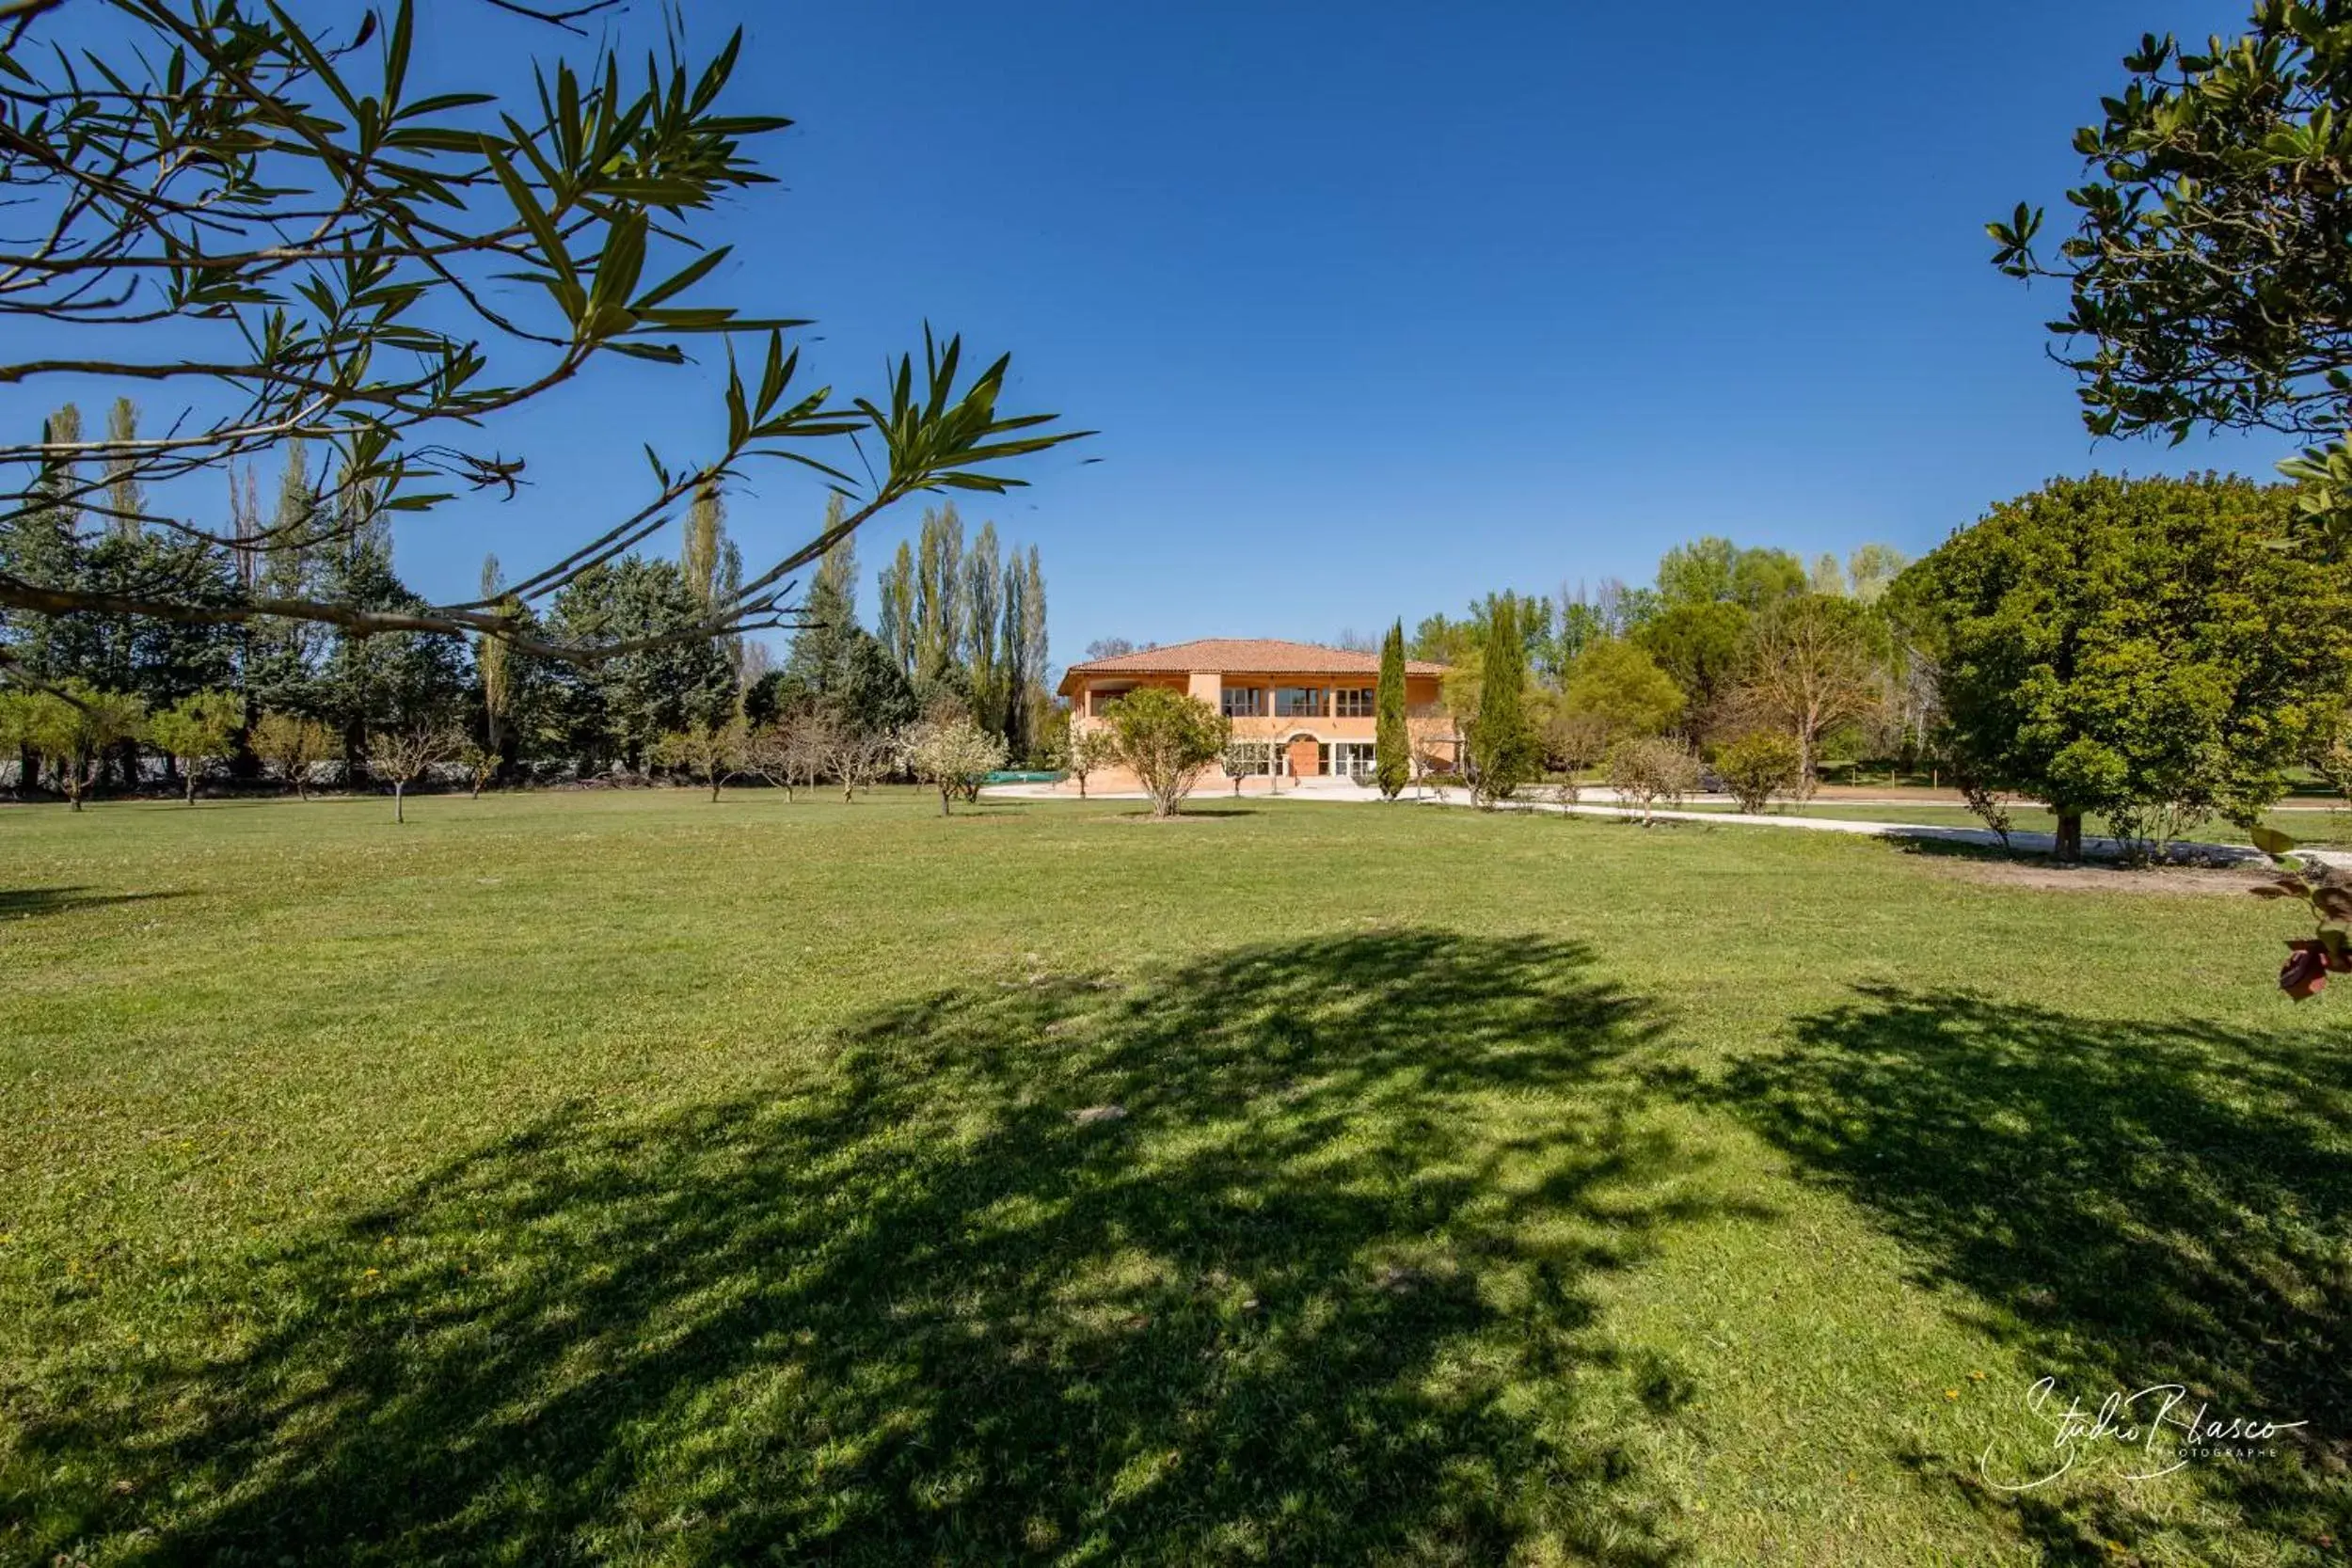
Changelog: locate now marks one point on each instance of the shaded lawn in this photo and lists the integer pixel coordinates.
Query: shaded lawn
(2325, 829)
(629, 1178)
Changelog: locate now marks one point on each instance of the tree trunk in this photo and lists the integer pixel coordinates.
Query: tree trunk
(946, 792)
(191, 772)
(714, 790)
(397, 788)
(2070, 835)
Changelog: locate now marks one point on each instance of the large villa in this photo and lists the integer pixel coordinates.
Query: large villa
(1304, 710)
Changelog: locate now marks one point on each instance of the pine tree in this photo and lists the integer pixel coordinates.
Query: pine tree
(1392, 741)
(42, 544)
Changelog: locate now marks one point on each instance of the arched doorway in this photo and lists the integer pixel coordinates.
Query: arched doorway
(1302, 755)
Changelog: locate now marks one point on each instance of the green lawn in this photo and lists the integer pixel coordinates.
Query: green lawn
(620, 1177)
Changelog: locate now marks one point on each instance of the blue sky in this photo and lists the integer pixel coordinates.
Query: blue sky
(1378, 306)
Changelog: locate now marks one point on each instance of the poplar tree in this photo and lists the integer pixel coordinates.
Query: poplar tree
(896, 615)
(983, 621)
(126, 499)
(490, 660)
(938, 594)
(1392, 741)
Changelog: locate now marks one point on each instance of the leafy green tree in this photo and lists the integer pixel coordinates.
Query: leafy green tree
(707, 749)
(1086, 753)
(1621, 691)
(1167, 740)
(481, 765)
(74, 724)
(1504, 752)
(1393, 739)
(1871, 568)
(2210, 270)
(2114, 646)
(199, 728)
(293, 744)
(1699, 572)
(1713, 570)
(1703, 649)
(1439, 641)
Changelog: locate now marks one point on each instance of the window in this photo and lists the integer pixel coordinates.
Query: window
(1354, 758)
(1352, 703)
(1100, 701)
(1243, 702)
(1298, 702)
(1254, 762)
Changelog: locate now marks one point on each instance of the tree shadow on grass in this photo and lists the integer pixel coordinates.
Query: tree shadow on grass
(1287, 1255)
(2131, 1203)
(27, 902)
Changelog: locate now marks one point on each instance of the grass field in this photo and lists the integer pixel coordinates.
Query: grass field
(629, 1178)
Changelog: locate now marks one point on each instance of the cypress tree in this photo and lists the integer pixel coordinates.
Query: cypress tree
(1503, 747)
(1392, 741)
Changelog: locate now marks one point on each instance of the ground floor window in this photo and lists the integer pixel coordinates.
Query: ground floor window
(1253, 760)
(1355, 758)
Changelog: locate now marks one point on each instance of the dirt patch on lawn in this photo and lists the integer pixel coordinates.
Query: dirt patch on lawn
(2051, 876)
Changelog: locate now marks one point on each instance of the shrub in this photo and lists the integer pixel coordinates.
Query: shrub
(1651, 770)
(1167, 740)
(1757, 766)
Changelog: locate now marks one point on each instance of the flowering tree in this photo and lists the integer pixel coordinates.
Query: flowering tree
(953, 755)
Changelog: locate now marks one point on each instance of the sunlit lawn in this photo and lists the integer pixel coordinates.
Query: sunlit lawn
(628, 1178)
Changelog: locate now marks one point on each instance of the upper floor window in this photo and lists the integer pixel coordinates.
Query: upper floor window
(1353, 703)
(1243, 702)
(1100, 702)
(1298, 702)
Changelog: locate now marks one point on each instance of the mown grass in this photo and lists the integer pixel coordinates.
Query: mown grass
(627, 1178)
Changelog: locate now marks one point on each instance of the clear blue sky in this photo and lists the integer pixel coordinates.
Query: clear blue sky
(1377, 306)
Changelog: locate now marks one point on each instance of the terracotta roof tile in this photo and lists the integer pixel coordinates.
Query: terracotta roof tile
(1252, 655)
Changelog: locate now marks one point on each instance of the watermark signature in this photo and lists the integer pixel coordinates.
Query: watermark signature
(2156, 1431)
